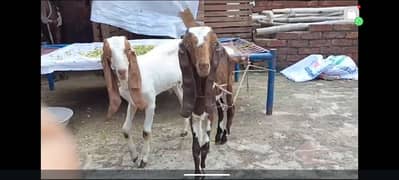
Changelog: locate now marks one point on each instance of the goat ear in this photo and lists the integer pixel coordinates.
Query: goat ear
(189, 85)
(134, 78)
(218, 54)
(110, 81)
(188, 18)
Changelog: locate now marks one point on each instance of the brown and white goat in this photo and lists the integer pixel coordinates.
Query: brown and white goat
(139, 79)
(204, 63)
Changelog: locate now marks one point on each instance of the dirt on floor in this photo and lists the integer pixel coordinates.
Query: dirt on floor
(314, 126)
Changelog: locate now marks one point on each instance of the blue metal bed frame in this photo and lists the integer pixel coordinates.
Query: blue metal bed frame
(51, 76)
(268, 56)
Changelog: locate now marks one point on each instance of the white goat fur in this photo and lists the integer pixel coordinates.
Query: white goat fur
(160, 71)
(200, 33)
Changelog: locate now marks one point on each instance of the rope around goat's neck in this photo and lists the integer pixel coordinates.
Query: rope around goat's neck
(223, 105)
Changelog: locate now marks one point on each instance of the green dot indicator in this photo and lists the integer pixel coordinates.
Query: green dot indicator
(358, 21)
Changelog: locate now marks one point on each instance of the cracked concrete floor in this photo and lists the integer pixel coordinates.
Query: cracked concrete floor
(314, 126)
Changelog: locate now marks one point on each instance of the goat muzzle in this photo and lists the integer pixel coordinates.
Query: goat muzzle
(122, 74)
(203, 69)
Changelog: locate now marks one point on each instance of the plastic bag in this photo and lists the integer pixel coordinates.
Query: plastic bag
(313, 66)
(306, 69)
(343, 67)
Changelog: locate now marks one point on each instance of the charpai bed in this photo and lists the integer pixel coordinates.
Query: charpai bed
(87, 57)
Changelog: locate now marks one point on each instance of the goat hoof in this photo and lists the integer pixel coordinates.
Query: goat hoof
(183, 134)
(218, 141)
(135, 159)
(223, 141)
(203, 171)
(142, 164)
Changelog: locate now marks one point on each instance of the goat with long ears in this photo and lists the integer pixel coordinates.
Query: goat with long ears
(111, 79)
(205, 64)
(139, 79)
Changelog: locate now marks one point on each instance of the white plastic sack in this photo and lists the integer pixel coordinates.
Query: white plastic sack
(343, 67)
(306, 69)
(154, 18)
(313, 66)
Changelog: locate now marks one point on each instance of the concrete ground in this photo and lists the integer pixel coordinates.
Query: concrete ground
(313, 126)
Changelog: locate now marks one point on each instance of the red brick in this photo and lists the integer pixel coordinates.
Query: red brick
(312, 4)
(298, 43)
(260, 42)
(288, 35)
(344, 27)
(295, 4)
(355, 57)
(271, 43)
(308, 50)
(276, 43)
(350, 49)
(295, 58)
(287, 51)
(320, 27)
(352, 35)
(330, 50)
(337, 3)
(311, 35)
(277, 4)
(282, 64)
(341, 42)
(281, 57)
(355, 42)
(334, 35)
(319, 43)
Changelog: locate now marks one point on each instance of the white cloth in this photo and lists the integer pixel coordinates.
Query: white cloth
(69, 58)
(156, 18)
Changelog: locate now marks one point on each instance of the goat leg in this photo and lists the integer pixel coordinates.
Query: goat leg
(186, 126)
(220, 119)
(230, 115)
(149, 117)
(195, 149)
(126, 129)
(178, 90)
(205, 147)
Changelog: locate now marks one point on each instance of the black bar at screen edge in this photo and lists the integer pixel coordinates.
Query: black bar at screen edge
(211, 174)
(377, 150)
(179, 174)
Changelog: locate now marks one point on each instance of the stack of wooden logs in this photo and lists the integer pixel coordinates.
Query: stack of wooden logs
(299, 19)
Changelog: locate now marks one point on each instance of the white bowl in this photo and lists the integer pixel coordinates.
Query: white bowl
(62, 114)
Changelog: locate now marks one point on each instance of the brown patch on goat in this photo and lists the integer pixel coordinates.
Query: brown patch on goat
(110, 81)
(134, 79)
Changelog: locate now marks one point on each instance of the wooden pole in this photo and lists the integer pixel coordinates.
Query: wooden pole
(295, 27)
(306, 19)
(311, 10)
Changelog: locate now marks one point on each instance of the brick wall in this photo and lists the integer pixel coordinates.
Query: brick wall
(338, 39)
(279, 4)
